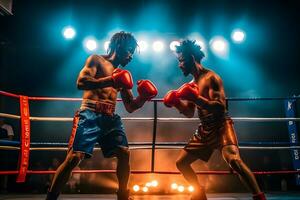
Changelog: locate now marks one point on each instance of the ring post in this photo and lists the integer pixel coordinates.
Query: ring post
(154, 137)
(25, 139)
(290, 110)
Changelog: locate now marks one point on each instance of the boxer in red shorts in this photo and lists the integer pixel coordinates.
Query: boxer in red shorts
(215, 131)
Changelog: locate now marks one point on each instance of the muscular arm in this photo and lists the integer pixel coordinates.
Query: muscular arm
(86, 79)
(129, 102)
(216, 101)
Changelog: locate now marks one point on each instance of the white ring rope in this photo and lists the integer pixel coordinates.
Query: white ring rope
(159, 119)
(147, 147)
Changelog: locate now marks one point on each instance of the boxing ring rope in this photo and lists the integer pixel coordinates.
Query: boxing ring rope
(160, 119)
(138, 145)
(208, 172)
(142, 145)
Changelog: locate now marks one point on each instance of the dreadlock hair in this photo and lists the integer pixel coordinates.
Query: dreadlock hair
(123, 39)
(190, 48)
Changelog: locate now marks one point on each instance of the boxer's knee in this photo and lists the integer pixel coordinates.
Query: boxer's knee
(232, 157)
(230, 153)
(122, 154)
(185, 160)
(180, 164)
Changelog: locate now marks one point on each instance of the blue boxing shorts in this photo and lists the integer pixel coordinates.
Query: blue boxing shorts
(90, 127)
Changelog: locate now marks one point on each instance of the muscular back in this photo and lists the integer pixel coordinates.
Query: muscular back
(94, 79)
(211, 88)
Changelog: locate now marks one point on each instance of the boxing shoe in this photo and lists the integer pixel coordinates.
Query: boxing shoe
(199, 195)
(123, 195)
(259, 196)
(52, 195)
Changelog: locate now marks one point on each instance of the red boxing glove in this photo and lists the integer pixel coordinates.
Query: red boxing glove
(171, 99)
(146, 89)
(122, 79)
(188, 91)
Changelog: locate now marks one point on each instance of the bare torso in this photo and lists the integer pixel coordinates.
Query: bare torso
(210, 87)
(103, 69)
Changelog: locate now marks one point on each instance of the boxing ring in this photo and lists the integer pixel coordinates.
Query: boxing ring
(25, 146)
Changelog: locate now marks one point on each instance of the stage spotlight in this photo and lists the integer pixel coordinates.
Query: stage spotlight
(158, 46)
(90, 44)
(148, 184)
(173, 45)
(191, 189)
(238, 35)
(106, 45)
(142, 45)
(219, 46)
(136, 188)
(174, 186)
(69, 32)
(180, 188)
(154, 183)
(145, 189)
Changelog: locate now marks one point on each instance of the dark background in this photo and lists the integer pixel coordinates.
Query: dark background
(35, 60)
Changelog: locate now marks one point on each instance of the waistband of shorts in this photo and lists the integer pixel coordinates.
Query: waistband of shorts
(214, 118)
(211, 123)
(98, 106)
